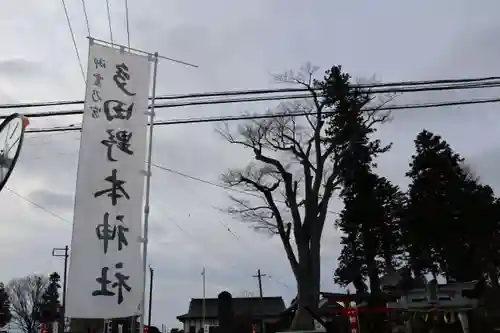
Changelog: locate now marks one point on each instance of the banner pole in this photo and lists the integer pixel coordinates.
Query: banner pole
(148, 190)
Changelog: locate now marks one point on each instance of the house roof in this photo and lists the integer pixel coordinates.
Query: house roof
(268, 306)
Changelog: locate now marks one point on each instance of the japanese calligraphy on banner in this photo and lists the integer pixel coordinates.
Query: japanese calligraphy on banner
(105, 272)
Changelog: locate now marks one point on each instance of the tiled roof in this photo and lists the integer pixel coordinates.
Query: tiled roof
(267, 306)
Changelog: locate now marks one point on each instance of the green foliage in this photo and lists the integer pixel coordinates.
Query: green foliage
(451, 220)
(50, 306)
(447, 223)
(5, 314)
(366, 219)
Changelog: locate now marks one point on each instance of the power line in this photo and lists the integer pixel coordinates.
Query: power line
(86, 17)
(207, 182)
(74, 41)
(223, 224)
(185, 175)
(270, 277)
(271, 115)
(249, 99)
(232, 266)
(109, 22)
(67, 221)
(482, 83)
(208, 249)
(37, 205)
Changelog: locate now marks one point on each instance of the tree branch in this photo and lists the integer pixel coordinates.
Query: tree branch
(284, 234)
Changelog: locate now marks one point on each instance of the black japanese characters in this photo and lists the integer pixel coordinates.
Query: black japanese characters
(119, 111)
(108, 232)
(116, 190)
(120, 139)
(120, 283)
(121, 78)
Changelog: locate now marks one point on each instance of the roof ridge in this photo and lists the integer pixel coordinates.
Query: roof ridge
(243, 297)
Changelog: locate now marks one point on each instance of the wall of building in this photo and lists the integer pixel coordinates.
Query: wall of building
(211, 322)
(198, 324)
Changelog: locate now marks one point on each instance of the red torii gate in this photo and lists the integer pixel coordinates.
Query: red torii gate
(348, 309)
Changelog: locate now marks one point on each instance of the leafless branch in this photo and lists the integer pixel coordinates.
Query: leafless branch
(312, 175)
(25, 297)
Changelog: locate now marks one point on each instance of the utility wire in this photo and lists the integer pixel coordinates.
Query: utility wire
(240, 240)
(270, 277)
(67, 221)
(482, 81)
(86, 17)
(109, 22)
(207, 182)
(272, 115)
(254, 99)
(207, 249)
(74, 40)
(37, 205)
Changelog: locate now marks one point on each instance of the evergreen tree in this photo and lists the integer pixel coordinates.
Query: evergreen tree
(50, 305)
(482, 212)
(390, 202)
(434, 171)
(5, 314)
(351, 267)
(362, 212)
(451, 220)
(371, 221)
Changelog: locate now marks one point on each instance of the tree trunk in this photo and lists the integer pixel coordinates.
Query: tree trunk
(369, 244)
(359, 284)
(494, 278)
(308, 284)
(388, 256)
(305, 298)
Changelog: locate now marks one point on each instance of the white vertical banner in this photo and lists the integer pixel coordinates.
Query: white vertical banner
(105, 271)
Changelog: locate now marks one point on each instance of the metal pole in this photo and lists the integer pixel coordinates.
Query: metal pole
(66, 255)
(133, 325)
(62, 321)
(148, 188)
(259, 279)
(203, 305)
(151, 272)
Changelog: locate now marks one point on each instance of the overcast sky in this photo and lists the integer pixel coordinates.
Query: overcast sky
(238, 45)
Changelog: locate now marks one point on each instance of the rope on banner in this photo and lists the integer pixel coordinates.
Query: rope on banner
(127, 22)
(74, 41)
(109, 22)
(143, 52)
(86, 16)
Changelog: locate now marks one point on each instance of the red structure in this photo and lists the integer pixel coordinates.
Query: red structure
(352, 313)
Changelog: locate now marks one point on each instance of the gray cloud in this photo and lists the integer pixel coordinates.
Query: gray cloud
(21, 68)
(236, 46)
(52, 200)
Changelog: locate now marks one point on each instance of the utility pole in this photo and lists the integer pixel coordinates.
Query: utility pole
(56, 252)
(151, 272)
(203, 305)
(259, 279)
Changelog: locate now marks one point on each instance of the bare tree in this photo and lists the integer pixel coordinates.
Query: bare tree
(5, 315)
(25, 297)
(295, 170)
